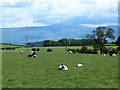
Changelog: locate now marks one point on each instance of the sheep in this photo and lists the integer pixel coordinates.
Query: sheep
(79, 65)
(113, 54)
(104, 54)
(30, 55)
(21, 51)
(35, 55)
(31, 51)
(70, 52)
(63, 67)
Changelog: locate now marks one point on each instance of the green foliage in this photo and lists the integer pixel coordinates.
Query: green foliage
(49, 50)
(90, 51)
(38, 49)
(13, 48)
(8, 48)
(118, 43)
(34, 49)
(84, 49)
(3, 48)
(105, 51)
(78, 50)
(94, 51)
(114, 51)
(99, 36)
(62, 42)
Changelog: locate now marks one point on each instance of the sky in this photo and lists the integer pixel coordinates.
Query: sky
(92, 13)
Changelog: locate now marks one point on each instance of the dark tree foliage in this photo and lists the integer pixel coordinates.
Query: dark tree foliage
(118, 42)
(99, 37)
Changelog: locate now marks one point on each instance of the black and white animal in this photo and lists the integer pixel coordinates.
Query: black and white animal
(70, 52)
(34, 54)
(63, 67)
(21, 51)
(30, 55)
(113, 54)
(79, 65)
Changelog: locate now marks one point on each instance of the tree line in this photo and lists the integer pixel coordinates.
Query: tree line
(97, 39)
(63, 42)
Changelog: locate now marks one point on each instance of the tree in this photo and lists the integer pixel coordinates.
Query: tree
(118, 42)
(99, 37)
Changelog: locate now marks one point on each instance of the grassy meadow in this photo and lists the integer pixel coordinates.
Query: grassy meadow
(19, 71)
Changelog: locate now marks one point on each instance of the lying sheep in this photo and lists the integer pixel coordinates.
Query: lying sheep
(63, 67)
(70, 52)
(104, 54)
(79, 65)
(31, 51)
(33, 55)
(113, 54)
(30, 55)
(21, 51)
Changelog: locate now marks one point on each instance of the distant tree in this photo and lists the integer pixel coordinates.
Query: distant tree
(99, 37)
(118, 42)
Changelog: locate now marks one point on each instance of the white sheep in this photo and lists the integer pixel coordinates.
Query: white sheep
(21, 51)
(63, 67)
(113, 54)
(31, 51)
(104, 54)
(34, 55)
(70, 52)
(79, 65)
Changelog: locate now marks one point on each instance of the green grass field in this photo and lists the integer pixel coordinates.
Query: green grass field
(19, 71)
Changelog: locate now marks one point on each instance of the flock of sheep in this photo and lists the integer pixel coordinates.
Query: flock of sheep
(90, 54)
(61, 67)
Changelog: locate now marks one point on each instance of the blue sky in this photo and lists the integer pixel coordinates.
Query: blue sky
(92, 13)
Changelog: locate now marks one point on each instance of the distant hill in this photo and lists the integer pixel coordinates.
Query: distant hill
(53, 32)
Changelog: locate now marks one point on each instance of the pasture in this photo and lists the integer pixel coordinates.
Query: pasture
(19, 71)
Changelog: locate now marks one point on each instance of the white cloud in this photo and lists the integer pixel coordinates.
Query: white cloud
(98, 25)
(57, 11)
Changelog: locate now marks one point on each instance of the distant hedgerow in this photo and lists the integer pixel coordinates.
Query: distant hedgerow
(49, 50)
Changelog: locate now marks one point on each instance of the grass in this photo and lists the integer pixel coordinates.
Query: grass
(19, 71)
(7, 45)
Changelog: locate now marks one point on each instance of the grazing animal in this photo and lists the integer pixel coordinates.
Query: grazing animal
(104, 54)
(21, 51)
(63, 67)
(70, 52)
(30, 55)
(79, 65)
(35, 55)
(113, 54)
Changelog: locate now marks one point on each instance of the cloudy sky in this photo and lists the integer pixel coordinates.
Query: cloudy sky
(20, 13)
